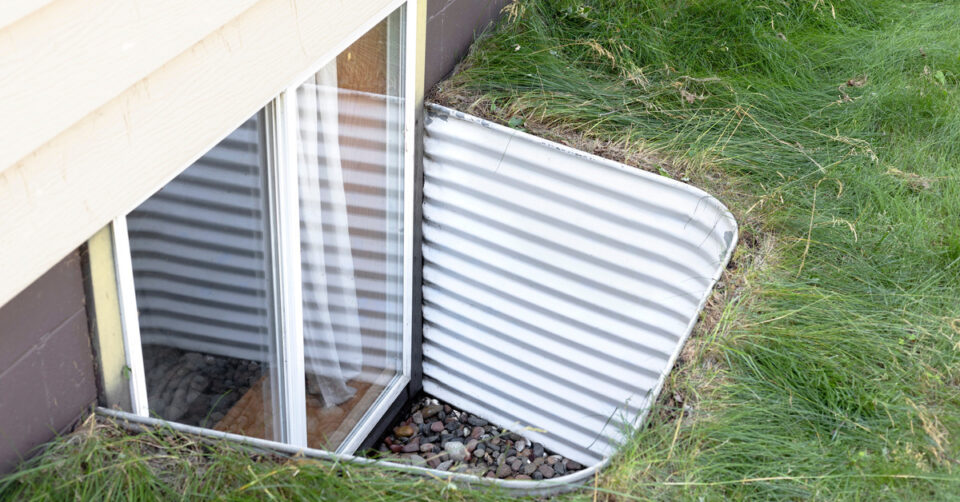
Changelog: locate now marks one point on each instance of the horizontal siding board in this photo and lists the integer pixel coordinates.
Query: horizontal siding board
(105, 46)
(110, 160)
(558, 287)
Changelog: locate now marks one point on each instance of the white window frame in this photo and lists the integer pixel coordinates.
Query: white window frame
(282, 113)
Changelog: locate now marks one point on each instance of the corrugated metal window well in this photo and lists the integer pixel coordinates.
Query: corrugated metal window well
(557, 289)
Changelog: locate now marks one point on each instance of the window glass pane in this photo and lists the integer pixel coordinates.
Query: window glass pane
(350, 180)
(202, 273)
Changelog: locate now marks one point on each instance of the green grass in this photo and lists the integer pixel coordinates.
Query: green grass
(832, 129)
(102, 461)
(828, 362)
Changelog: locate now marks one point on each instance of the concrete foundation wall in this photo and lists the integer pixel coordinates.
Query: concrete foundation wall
(46, 364)
(451, 28)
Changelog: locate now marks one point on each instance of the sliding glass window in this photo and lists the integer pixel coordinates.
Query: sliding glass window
(269, 275)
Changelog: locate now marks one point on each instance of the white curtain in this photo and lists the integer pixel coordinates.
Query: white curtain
(332, 337)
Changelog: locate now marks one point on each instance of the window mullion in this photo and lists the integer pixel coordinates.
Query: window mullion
(289, 382)
(129, 317)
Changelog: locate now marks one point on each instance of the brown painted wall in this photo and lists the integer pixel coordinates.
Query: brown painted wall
(451, 28)
(46, 364)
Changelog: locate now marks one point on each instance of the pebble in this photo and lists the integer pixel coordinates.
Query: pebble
(413, 446)
(456, 450)
(517, 465)
(553, 459)
(426, 448)
(572, 466)
(529, 468)
(538, 450)
(476, 433)
(436, 426)
(476, 421)
(472, 445)
(546, 471)
(537, 475)
(431, 410)
(403, 431)
(416, 460)
(417, 418)
(559, 468)
(504, 471)
(444, 465)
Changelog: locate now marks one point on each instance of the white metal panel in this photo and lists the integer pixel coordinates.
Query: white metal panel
(559, 287)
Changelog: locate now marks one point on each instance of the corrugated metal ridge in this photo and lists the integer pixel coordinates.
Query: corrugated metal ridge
(558, 287)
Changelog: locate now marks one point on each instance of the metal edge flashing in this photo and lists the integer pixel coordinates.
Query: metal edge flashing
(436, 372)
(553, 486)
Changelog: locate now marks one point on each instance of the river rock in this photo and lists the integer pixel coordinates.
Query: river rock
(456, 450)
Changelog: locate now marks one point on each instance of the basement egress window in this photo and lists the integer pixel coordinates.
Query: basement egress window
(269, 275)
(267, 291)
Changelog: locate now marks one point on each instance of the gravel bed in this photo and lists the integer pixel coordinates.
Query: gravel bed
(439, 436)
(195, 388)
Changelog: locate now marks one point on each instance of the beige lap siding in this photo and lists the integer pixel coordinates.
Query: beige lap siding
(106, 162)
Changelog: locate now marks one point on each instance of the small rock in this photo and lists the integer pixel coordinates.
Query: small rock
(479, 452)
(538, 461)
(436, 426)
(418, 418)
(456, 450)
(559, 468)
(572, 466)
(476, 421)
(537, 450)
(416, 460)
(516, 465)
(433, 462)
(413, 446)
(472, 445)
(537, 476)
(547, 471)
(431, 410)
(476, 471)
(403, 431)
(396, 448)
(529, 468)
(445, 465)
(447, 408)
(511, 452)
(553, 459)
(431, 438)
(504, 471)
(528, 453)
(476, 433)
(452, 426)
(495, 441)
(523, 477)
(426, 448)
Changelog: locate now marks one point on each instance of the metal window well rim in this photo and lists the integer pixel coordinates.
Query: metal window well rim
(519, 487)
